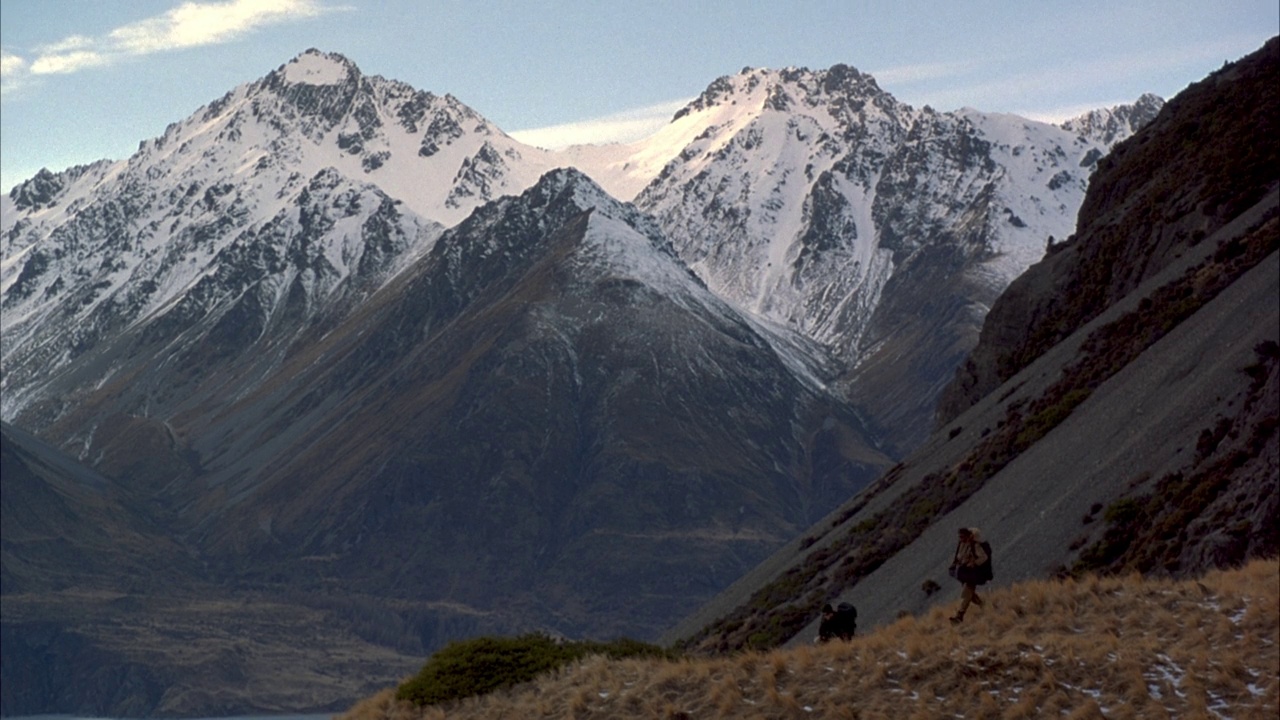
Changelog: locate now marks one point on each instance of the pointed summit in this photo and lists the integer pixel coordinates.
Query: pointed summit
(1111, 125)
(778, 90)
(314, 67)
(570, 185)
(325, 86)
(558, 199)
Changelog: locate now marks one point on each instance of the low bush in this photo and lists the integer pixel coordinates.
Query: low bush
(478, 666)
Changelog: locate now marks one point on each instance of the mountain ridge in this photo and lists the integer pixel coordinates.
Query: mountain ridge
(434, 160)
(340, 333)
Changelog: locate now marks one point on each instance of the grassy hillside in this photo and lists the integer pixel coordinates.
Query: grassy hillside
(1115, 647)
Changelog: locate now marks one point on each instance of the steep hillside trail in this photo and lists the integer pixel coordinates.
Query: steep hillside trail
(1099, 647)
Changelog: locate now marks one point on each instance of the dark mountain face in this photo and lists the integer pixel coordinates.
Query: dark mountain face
(56, 509)
(74, 544)
(546, 422)
(548, 406)
(1136, 427)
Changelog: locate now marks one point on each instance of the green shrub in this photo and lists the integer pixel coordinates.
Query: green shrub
(1050, 416)
(481, 665)
(1123, 512)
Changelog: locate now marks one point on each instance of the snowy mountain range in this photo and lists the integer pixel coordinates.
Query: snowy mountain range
(796, 195)
(334, 334)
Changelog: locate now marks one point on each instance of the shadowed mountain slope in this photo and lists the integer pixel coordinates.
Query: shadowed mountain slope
(56, 509)
(547, 416)
(1210, 155)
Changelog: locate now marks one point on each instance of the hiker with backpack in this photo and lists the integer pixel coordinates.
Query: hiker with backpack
(972, 567)
(838, 622)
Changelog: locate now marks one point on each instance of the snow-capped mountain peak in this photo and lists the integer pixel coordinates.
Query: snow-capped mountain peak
(314, 67)
(618, 235)
(1111, 125)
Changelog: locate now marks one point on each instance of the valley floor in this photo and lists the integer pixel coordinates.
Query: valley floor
(1100, 647)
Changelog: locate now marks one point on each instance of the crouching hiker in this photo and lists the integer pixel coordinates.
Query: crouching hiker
(838, 622)
(972, 567)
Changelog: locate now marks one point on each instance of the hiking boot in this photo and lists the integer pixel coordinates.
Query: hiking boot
(957, 619)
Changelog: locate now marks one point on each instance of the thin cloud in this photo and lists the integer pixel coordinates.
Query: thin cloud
(1007, 93)
(13, 72)
(620, 127)
(68, 62)
(1059, 115)
(907, 74)
(11, 65)
(191, 24)
(68, 44)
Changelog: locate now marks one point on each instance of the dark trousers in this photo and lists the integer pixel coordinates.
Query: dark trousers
(968, 595)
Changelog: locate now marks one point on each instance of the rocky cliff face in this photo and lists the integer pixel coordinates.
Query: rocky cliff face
(1203, 160)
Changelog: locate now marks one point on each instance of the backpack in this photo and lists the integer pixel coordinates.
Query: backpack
(847, 619)
(984, 571)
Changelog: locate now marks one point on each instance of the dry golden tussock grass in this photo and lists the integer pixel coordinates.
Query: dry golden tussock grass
(1099, 647)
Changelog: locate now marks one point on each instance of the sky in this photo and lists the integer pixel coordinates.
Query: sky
(82, 80)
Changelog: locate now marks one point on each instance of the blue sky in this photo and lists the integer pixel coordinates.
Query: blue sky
(84, 79)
